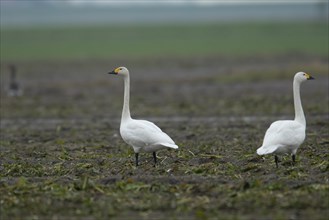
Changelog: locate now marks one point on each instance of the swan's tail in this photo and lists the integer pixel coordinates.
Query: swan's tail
(266, 149)
(174, 146)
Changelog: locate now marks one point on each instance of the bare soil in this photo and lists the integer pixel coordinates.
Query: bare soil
(62, 156)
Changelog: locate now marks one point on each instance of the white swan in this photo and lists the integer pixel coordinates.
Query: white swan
(285, 136)
(143, 136)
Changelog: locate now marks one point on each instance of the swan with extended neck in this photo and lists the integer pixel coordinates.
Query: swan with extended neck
(142, 135)
(285, 136)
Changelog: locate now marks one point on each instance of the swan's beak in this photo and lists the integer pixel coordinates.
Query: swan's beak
(310, 77)
(113, 72)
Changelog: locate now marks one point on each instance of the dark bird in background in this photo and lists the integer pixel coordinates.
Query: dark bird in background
(14, 87)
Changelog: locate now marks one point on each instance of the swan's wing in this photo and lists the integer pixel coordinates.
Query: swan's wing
(141, 133)
(149, 125)
(285, 133)
(281, 134)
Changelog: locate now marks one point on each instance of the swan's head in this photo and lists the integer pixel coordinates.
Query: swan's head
(120, 71)
(301, 77)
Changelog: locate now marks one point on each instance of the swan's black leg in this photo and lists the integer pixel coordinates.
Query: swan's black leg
(276, 161)
(155, 158)
(293, 157)
(136, 156)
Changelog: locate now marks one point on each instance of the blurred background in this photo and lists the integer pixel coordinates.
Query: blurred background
(195, 55)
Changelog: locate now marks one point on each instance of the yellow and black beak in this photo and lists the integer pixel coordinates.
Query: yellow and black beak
(309, 77)
(115, 71)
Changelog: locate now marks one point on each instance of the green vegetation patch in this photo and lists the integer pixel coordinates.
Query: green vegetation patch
(106, 42)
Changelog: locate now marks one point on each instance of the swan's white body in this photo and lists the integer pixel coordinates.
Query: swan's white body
(286, 136)
(283, 137)
(142, 135)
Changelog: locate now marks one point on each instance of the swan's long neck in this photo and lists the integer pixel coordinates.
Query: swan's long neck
(125, 110)
(299, 113)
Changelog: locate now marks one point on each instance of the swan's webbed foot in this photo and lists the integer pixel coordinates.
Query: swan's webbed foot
(155, 158)
(276, 159)
(136, 156)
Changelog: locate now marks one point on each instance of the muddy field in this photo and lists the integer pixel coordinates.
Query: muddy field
(62, 156)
